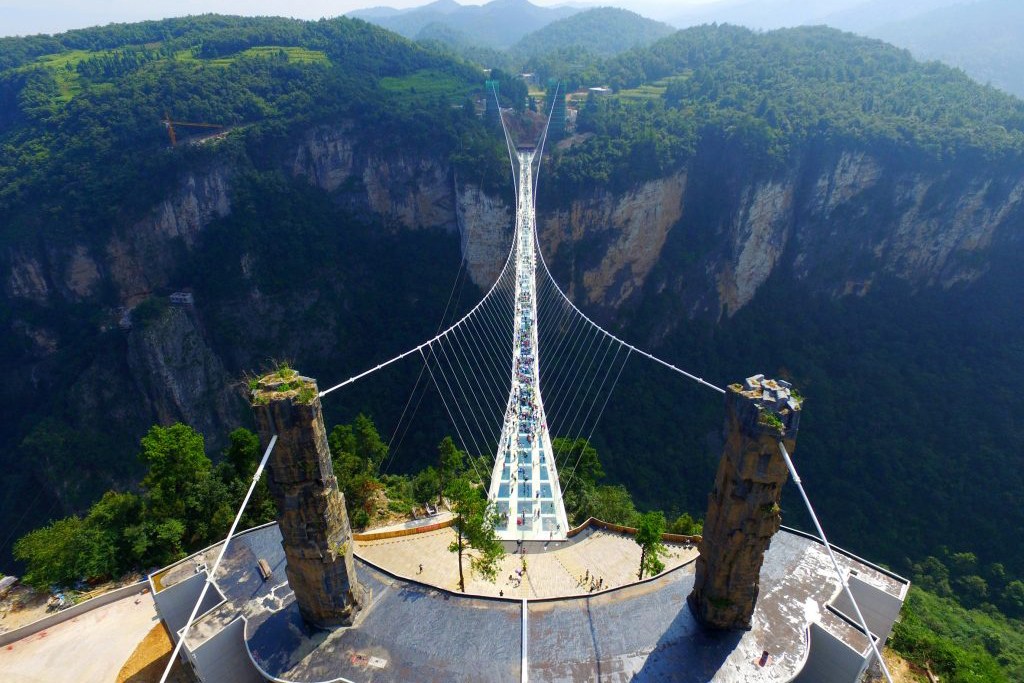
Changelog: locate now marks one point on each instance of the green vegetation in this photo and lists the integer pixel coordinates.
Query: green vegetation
(82, 152)
(602, 31)
(427, 83)
(770, 419)
(474, 523)
(100, 95)
(960, 645)
(185, 504)
(653, 91)
(649, 529)
(979, 38)
(771, 93)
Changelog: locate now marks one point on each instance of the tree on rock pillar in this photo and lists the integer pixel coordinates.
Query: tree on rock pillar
(743, 509)
(314, 525)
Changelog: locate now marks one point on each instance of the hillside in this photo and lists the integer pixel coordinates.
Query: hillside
(497, 24)
(604, 31)
(851, 15)
(982, 37)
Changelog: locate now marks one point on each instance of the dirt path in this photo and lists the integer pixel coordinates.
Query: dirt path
(147, 663)
(902, 670)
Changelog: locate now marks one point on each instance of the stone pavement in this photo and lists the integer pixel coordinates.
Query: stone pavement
(93, 645)
(556, 572)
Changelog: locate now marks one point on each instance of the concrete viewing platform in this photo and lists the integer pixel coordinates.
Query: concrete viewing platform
(414, 629)
(553, 570)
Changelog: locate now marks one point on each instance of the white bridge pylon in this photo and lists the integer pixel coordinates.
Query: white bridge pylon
(524, 484)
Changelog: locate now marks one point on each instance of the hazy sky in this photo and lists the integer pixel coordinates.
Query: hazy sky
(22, 17)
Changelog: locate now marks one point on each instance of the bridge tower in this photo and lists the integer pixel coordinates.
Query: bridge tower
(492, 114)
(743, 509)
(556, 106)
(524, 484)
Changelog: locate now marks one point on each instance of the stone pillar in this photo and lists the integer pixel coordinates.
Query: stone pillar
(314, 525)
(743, 509)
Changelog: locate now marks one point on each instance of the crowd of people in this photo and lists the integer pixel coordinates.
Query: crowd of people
(525, 422)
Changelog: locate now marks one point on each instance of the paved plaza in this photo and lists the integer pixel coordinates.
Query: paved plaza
(560, 570)
(93, 645)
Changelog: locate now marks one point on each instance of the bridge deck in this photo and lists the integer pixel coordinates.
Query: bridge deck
(524, 484)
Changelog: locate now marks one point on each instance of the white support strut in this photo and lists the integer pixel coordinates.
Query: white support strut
(220, 556)
(835, 563)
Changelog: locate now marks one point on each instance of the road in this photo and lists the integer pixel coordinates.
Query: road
(90, 648)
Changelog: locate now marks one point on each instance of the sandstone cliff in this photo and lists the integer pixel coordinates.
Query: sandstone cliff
(836, 221)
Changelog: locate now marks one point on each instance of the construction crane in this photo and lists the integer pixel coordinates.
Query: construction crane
(170, 124)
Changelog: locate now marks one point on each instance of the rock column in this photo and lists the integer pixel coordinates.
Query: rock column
(316, 535)
(743, 509)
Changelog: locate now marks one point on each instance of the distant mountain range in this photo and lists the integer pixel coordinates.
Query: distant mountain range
(985, 38)
(602, 31)
(770, 14)
(498, 24)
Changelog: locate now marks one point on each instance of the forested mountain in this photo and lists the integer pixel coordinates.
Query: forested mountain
(604, 31)
(497, 24)
(803, 203)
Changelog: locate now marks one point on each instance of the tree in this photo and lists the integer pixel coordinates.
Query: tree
(242, 453)
(425, 486)
(241, 458)
(369, 447)
(648, 536)
(51, 553)
(613, 504)
(451, 464)
(177, 463)
(1013, 598)
(474, 529)
(686, 525)
(357, 452)
(107, 520)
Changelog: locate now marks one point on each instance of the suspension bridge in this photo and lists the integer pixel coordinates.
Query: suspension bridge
(522, 364)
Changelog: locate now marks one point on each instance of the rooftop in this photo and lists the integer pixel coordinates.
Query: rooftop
(412, 630)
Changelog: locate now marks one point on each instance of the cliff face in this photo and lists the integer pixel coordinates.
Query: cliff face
(835, 221)
(410, 190)
(181, 377)
(632, 227)
(172, 367)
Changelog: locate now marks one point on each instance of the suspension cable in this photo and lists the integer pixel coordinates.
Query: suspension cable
(629, 346)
